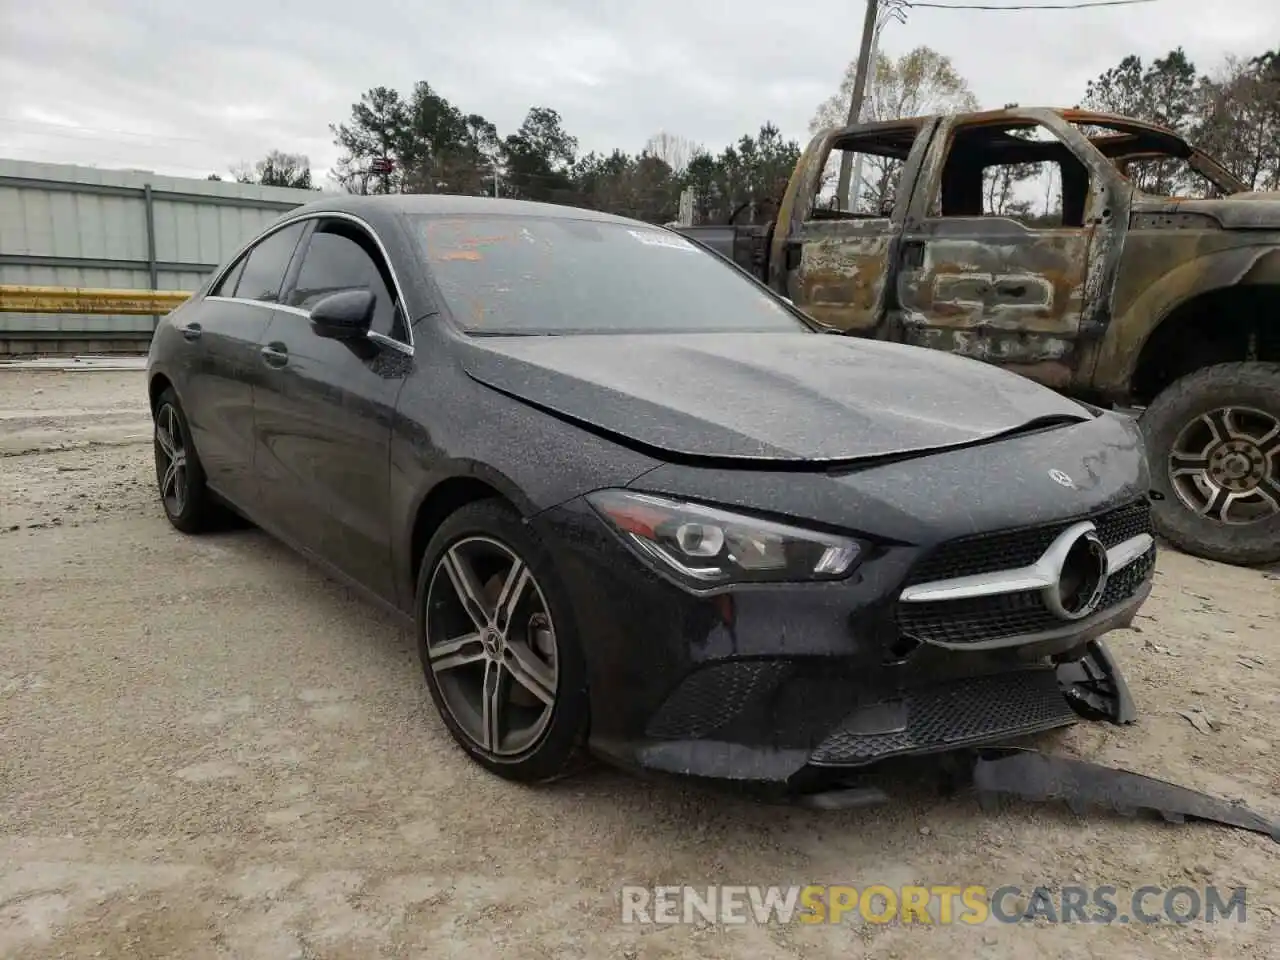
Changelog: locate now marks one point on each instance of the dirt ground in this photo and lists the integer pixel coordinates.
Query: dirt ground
(209, 750)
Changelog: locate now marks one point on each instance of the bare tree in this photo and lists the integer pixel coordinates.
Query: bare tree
(920, 82)
(672, 149)
(923, 81)
(277, 169)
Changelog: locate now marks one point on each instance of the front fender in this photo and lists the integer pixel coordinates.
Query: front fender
(1128, 332)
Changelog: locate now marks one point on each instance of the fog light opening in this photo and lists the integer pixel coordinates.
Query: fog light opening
(902, 648)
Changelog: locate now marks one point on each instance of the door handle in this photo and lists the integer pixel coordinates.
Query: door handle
(913, 253)
(275, 354)
(192, 331)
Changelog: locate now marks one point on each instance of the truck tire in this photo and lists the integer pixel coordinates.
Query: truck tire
(1213, 441)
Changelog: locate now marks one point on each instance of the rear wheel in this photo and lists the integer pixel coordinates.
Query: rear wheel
(1213, 440)
(179, 475)
(498, 646)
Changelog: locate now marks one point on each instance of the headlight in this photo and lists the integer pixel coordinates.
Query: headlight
(706, 547)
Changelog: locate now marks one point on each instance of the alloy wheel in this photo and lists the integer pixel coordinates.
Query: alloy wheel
(1225, 465)
(171, 459)
(491, 646)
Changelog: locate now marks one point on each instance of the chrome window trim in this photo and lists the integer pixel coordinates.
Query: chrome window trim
(391, 342)
(373, 335)
(268, 304)
(1042, 574)
(316, 215)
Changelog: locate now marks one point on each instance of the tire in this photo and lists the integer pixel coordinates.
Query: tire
(1173, 424)
(188, 503)
(476, 536)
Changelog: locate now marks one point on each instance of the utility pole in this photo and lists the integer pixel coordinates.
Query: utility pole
(855, 102)
(856, 181)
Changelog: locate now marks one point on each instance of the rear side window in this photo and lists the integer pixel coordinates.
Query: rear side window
(227, 285)
(338, 261)
(263, 272)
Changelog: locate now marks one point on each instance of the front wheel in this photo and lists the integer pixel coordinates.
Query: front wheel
(499, 647)
(1213, 441)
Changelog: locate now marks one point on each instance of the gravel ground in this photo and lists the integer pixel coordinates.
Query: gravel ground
(207, 749)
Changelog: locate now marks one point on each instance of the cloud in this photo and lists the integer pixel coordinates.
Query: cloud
(189, 89)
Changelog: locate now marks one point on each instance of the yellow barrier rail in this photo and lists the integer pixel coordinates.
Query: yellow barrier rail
(22, 299)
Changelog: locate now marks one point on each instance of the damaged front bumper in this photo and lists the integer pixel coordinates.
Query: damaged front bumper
(785, 728)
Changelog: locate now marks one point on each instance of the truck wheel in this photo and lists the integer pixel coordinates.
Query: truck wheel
(1213, 440)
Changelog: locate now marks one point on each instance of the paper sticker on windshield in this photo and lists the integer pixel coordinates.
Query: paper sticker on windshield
(654, 239)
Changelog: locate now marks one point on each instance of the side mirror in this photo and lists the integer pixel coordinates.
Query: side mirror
(344, 316)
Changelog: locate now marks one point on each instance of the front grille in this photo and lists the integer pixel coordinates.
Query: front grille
(954, 714)
(1009, 549)
(1125, 584)
(975, 619)
(978, 619)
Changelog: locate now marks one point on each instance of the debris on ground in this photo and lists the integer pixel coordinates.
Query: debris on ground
(1199, 718)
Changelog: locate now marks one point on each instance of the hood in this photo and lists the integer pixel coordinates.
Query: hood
(778, 397)
(1256, 210)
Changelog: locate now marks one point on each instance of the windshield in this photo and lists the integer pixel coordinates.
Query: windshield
(549, 275)
(1159, 162)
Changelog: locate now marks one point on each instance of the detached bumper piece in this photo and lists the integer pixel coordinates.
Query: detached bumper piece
(996, 772)
(1034, 776)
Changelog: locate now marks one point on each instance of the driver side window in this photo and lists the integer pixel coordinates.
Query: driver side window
(341, 257)
(1020, 171)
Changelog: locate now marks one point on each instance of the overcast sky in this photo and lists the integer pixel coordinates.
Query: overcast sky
(187, 89)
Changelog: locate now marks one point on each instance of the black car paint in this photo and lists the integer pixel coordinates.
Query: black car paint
(218, 360)
(767, 396)
(353, 441)
(952, 494)
(322, 425)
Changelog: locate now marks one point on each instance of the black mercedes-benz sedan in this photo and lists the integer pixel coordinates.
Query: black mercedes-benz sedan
(636, 505)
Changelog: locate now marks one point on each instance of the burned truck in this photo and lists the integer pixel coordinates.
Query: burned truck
(1114, 290)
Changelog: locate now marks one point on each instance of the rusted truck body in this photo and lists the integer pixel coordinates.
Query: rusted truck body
(1119, 296)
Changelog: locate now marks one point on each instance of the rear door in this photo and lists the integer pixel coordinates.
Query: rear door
(223, 368)
(996, 260)
(324, 412)
(837, 251)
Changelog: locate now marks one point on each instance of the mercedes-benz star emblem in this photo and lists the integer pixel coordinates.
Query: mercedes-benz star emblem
(1057, 476)
(1082, 578)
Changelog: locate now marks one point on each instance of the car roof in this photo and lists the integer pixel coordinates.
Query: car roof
(443, 204)
(1013, 116)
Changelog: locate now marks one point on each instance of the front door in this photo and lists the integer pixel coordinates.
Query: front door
(323, 417)
(838, 250)
(997, 255)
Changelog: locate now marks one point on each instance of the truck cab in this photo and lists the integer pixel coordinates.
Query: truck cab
(1046, 241)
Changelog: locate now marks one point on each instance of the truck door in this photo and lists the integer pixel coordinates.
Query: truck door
(996, 255)
(834, 256)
